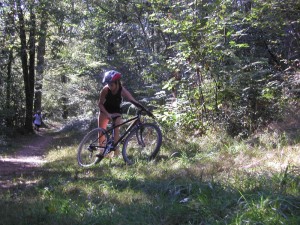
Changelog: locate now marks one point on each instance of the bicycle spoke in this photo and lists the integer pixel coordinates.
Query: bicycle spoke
(90, 146)
(142, 144)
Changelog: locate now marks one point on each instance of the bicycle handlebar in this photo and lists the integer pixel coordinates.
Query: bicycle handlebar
(142, 108)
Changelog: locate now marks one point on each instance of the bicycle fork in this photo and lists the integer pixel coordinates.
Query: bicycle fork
(139, 136)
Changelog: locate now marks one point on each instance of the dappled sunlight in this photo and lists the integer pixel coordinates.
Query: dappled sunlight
(24, 182)
(271, 161)
(221, 77)
(219, 176)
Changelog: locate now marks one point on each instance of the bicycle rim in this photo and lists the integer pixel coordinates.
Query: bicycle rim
(142, 144)
(91, 145)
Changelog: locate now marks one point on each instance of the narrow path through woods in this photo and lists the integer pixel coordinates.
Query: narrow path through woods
(27, 159)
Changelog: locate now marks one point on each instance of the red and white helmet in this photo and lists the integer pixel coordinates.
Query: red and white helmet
(111, 76)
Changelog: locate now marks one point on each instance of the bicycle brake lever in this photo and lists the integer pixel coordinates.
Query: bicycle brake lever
(143, 109)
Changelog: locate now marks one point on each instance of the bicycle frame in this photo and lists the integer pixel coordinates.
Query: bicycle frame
(99, 142)
(136, 120)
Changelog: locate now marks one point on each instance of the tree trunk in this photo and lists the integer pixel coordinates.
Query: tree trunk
(28, 70)
(64, 99)
(41, 49)
(9, 121)
(9, 31)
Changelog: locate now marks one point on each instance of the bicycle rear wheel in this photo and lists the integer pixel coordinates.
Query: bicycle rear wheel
(143, 143)
(93, 143)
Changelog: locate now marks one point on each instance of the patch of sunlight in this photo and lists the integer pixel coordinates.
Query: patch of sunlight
(24, 159)
(10, 183)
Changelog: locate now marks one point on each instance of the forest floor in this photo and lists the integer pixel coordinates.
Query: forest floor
(29, 153)
(27, 158)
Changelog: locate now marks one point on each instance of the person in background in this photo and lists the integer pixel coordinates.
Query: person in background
(37, 120)
(110, 102)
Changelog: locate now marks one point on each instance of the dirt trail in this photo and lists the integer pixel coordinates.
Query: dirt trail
(25, 160)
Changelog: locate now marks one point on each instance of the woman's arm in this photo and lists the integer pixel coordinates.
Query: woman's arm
(127, 95)
(102, 97)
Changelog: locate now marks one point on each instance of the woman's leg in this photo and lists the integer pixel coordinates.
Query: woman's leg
(102, 123)
(117, 134)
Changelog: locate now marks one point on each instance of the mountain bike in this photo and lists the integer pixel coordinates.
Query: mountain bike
(141, 141)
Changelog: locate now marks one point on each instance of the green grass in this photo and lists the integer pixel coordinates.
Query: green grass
(212, 179)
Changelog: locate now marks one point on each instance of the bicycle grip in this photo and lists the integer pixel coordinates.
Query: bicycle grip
(149, 113)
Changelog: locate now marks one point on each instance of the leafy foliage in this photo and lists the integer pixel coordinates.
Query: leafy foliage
(224, 63)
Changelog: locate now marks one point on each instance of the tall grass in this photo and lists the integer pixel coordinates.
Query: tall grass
(212, 179)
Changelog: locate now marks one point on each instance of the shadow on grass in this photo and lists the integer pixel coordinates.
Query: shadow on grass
(160, 192)
(119, 194)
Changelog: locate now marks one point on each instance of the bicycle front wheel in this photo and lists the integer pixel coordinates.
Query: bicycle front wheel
(143, 143)
(91, 145)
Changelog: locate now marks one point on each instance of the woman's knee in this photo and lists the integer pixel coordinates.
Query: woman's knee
(102, 121)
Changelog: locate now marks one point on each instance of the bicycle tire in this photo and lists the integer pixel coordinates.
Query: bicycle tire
(89, 147)
(143, 143)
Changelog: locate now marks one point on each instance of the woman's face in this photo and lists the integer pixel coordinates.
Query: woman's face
(112, 86)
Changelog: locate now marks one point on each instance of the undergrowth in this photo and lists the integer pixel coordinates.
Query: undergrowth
(213, 179)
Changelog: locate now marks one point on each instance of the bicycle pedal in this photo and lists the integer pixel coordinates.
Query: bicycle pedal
(91, 148)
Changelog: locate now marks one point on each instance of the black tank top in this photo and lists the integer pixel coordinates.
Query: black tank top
(112, 102)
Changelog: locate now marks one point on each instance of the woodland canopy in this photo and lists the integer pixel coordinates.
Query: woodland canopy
(197, 63)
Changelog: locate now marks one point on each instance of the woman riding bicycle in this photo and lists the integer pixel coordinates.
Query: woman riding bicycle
(110, 101)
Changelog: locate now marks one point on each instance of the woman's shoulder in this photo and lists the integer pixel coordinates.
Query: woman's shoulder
(105, 89)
